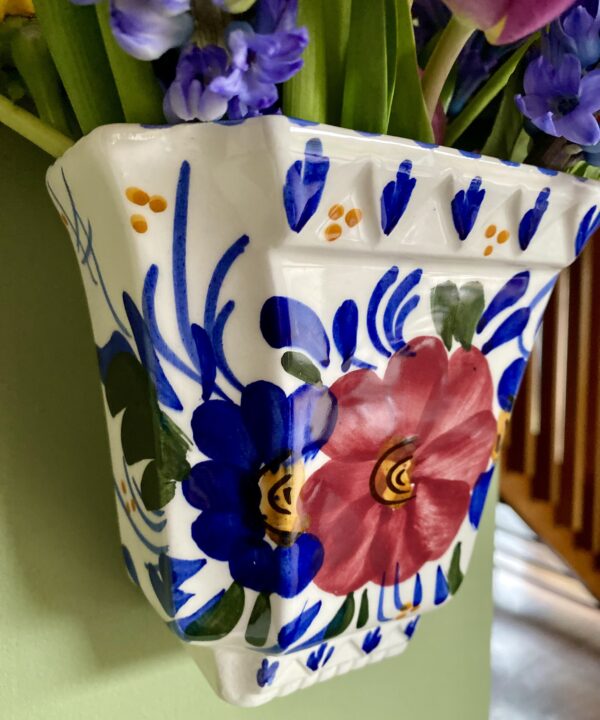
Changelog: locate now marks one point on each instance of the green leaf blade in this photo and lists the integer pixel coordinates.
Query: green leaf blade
(298, 365)
(468, 312)
(219, 620)
(259, 624)
(444, 303)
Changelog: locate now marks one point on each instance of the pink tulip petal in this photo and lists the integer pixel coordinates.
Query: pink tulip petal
(524, 17)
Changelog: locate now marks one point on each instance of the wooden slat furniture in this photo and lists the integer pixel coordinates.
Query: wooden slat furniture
(551, 455)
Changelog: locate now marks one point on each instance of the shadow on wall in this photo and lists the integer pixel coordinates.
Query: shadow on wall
(56, 497)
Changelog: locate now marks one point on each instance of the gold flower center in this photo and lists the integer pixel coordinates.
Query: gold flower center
(280, 490)
(391, 477)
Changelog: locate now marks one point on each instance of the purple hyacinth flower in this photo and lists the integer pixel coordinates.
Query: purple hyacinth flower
(190, 96)
(576, 32)
(146, 29)
(262, 57)
(561, 102)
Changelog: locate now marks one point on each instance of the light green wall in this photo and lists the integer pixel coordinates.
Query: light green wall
(77, 640)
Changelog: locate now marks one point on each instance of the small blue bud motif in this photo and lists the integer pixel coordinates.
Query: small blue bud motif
(266, 673)
(532, 218)
(588, 226)
(372, 640)
(319, 658)
(304, 185)
(396, 196)
(409, 630)
(466, 206)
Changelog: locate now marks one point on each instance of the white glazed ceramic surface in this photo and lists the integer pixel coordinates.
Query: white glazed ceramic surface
(310, 340)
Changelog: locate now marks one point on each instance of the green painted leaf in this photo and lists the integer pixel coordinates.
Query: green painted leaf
(470, 309)
(444, 303)
(342, 618)
(156, 490)
(298, 365)
(146, 432)
(363, 612)
(220, 620)
(408, 114)
(365, 103)
(260, 621)
(455, 574)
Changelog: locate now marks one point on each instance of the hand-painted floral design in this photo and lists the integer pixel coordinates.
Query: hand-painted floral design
(248, 491)
(405, 453)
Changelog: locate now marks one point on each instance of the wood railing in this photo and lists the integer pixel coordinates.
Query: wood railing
(551, 456)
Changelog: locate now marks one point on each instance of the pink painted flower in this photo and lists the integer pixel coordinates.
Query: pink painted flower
(404, 456)
(505, 21)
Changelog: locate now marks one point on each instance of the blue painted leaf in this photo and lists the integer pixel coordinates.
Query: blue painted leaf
(478, 496)
(508, 295)
(131, 571)
(117, 344)
(266, 673)
(397, 298)
(418, 591)
(217, 344)
(532, 218)
(179, 626)
(285, 322)
(295, 629)
(587, 228)
(508, 387)
(396, 196)
(371, 641)
(409, 630)
(166, 578)
(304, 185)
(441, 587)
(511, 328)
(218, 277)
(384, 284)
(345, 331)
(182, 570)
(401, 317)
(165, 393)
(466, 206)
(206, 360)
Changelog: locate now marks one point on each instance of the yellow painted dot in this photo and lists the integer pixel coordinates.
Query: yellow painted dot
(133, 505)
(138, 223)
(63, 217)
(137, 196)
(123, 487)
(158, 204)
(333, 232)
(503, 236)
(336, 212)
(488, 251)
(353, 217)
(490, 231)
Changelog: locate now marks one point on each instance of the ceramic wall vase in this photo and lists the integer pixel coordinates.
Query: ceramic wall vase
(310, 341)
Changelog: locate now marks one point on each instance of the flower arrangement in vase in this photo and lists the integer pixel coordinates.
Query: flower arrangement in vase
(310, 336)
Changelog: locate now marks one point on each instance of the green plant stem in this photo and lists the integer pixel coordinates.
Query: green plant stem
(33, 129)
(447, 50)
(488, 92)
(366, 89)
(76, 46)
(408, 114)
(305, 95)
(32, 59)
(336, 30)
(138, 88)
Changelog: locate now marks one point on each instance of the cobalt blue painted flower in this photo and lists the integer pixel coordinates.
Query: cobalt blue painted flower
(577, 32)
(190, 96)
(262, 57)
(248, 490)
(146, 29)
(559, 101)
